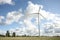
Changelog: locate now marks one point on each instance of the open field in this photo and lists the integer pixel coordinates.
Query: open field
(29, 38)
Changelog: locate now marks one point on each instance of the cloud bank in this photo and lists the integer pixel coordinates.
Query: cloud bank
(30, 27)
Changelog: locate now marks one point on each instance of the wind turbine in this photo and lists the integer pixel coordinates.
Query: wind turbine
(38, 13)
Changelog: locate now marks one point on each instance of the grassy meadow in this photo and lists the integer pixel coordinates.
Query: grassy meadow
(29, 38)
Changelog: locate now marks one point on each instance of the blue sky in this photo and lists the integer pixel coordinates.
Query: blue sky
(52, 6)
(49, 5)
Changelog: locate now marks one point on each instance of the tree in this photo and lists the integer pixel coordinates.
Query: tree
(2, 35)
(13, 34)
(7, 34)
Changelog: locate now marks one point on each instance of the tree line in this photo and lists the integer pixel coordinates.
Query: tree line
(13, 35)
(8, 34)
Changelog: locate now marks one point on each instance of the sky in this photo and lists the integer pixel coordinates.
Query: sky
(18, 16)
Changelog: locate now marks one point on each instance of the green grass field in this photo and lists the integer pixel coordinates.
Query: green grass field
(29, 38)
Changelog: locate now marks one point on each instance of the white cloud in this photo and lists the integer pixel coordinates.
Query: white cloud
(31, 29)
(32, 8)
(13, 16)
(7, 2)
(51, 29)
(47, 15)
